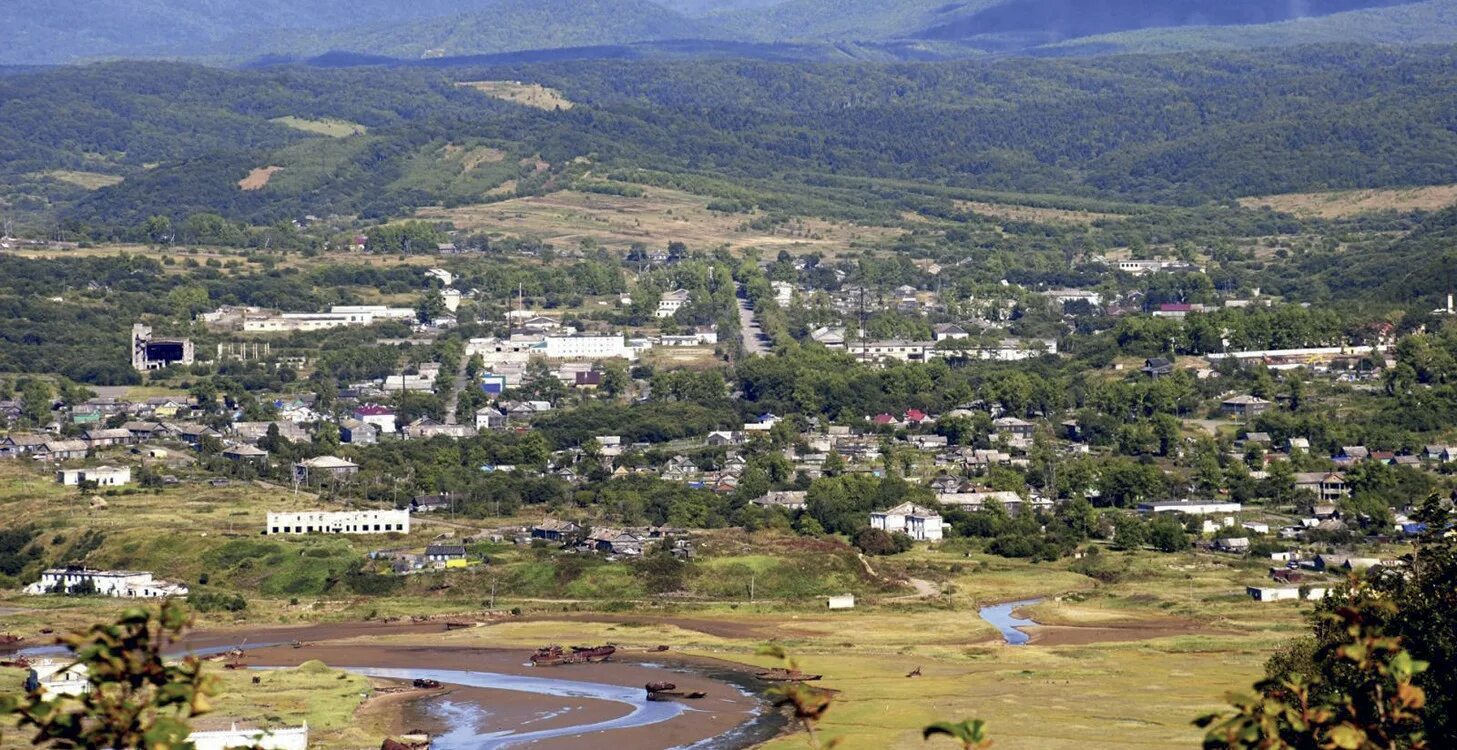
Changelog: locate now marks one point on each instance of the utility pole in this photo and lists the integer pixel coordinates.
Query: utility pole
(751, 587)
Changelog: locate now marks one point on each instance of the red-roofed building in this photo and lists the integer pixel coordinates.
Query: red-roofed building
(382, 417)
(915, 416)
(882, 420)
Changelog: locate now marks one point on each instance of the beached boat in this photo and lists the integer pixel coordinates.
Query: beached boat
(779, 674)
(548, 656)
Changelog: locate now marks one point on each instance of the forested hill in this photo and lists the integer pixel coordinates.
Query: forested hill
(38, 31)
(1177, 128)
(1173, 129)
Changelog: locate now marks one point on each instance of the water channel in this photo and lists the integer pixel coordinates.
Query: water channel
(1011, 626)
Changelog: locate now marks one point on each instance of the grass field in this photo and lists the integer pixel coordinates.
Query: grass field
(1038, 214)
(527, 94)
(88, 180)
(1130, 658)
(658, 217)
(1343, 204)
(328, 126)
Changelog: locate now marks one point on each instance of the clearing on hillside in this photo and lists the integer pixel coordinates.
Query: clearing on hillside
(525, 94)
(258, 178)
(1341, 204)
(569, 217)
(326, 126)
(88, 180)
(1036, 214)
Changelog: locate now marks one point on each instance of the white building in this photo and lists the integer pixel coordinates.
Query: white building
(875, 351)
(378, 312)
(671, 302)
(783, 292)
(1190, 507)
(102, 476)
(451, 298)
(918, 523)
(125, 584)
(447, 278)
(1285, 593)
(586, 347)
(288, 738)
(58, 677)
(843, 601)
(339, 522)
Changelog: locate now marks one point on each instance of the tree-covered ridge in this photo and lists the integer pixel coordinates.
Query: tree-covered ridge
(1174, 129)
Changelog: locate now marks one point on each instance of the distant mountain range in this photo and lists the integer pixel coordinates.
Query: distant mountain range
(45, 32)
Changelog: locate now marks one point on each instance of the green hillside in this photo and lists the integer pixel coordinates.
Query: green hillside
(1176, 129)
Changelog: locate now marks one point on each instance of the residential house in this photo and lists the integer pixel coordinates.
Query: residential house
(1297, 444)
(555, 531)
(358, 432)
(671, 302)
(252, 432)
(425, 428)
(1014, 429)
(1157, 367)
(62, 450)
(614, 542)
(724, 438)
(1328, 486)
(142, 431)
(445, 553)
(788, 500)
(1243, 406)
(382, 417)
(913, 520)
(245, 453)
(947, 331)
(14, 446)
(323, 469)
(104, 438)
(429, 503)
(491, 418)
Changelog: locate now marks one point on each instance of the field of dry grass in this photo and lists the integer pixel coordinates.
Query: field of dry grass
(527, 94)
(88, 180)
(327, 126)
(1342, 204)
(568, 218)
(1014, 212)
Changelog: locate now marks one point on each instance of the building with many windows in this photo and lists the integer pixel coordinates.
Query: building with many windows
(339, 522)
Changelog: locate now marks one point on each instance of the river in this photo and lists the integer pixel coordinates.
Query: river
(1010, 625)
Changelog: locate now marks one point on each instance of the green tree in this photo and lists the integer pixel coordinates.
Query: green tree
(137, 698)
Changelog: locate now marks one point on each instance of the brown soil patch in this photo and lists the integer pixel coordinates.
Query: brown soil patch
(1079, 635)
(1346, 203)
(258, 178)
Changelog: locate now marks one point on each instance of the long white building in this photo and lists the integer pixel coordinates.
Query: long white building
(287, 738)
(584, 346)
(920, 524)
(125, 584)
(339, 522)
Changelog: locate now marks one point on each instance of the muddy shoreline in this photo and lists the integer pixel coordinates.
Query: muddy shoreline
(729, 717)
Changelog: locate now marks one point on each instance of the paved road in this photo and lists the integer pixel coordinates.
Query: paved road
(754, 341)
